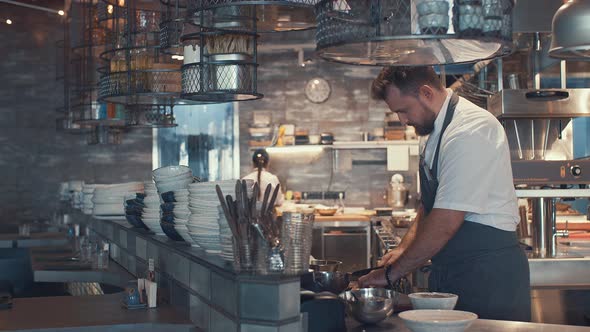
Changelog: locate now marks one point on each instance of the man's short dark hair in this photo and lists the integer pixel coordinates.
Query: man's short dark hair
(407, 79)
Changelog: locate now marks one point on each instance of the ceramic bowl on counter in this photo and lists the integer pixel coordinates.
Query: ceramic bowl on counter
(437, 320)
(433, 300)
(326, 212)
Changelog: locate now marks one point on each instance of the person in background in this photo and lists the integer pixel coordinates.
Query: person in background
(468, 215)
(260, 161)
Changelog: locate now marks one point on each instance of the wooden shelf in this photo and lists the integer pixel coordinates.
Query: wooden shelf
(342, 145)
(372, 144)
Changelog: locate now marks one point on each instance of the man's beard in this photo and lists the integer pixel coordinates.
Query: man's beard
(428, 126)
(424, 130)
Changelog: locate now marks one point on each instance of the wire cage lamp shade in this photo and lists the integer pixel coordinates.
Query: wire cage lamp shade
(272, 15)
(220, 56)
(151, 116)
(413, 32)
(139, 72)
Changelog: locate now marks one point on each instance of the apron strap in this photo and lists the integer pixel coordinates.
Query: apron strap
(448, 117)
(428, 176)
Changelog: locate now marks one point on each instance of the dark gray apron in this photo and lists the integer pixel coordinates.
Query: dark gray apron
(484, 265)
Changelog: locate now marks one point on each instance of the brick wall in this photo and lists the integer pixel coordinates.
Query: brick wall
(34, 157)
(348, 111)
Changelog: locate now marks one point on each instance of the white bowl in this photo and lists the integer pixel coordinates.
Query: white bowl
(433, 300)
(173, 178)
(168, 171)
(437, 320)
(174, 185)
(181, 215)
(183, 199)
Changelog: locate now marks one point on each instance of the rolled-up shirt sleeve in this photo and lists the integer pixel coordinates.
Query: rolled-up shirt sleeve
(466, 174)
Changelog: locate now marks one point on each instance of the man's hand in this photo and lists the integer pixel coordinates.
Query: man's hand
(375, 278)
(391, 256)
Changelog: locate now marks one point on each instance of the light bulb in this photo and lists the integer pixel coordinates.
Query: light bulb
(110, 9)
(8, 21)
(61, 13)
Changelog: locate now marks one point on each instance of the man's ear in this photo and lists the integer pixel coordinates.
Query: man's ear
(426, 93)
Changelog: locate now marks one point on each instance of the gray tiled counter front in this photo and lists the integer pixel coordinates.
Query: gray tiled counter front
(219, 299)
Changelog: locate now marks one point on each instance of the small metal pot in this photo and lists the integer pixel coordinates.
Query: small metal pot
(325, 265)
(321, 281)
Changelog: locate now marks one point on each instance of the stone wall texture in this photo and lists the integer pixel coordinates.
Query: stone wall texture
(34, 156)
(349, 111)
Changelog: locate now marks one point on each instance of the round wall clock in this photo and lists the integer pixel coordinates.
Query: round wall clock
(317, 90)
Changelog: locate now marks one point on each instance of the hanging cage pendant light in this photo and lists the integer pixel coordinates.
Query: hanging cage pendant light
(413, 32)
(220, 55)
(272, 15)
(140, 73)
(88, 42)
(150, 116)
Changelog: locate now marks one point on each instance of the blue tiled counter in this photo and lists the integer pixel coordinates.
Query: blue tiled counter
(219, 299)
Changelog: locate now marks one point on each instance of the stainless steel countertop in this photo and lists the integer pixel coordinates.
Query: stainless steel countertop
(395, 324)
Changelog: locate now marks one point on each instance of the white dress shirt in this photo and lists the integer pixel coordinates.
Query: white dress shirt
(474, 169)
(267, 178)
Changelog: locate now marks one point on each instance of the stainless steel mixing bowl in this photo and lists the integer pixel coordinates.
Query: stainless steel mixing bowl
(370, 305)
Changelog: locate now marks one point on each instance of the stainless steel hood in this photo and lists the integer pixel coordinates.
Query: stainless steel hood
(538, 126)
(535, 104)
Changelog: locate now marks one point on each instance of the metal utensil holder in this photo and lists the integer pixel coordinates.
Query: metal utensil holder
(268, 260)
(296, 237)
(243, 256)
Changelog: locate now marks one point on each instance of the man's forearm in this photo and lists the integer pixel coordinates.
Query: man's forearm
(411, 233)
(430, 236)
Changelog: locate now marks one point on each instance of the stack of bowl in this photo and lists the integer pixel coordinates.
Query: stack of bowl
(134, 209)
(175, 214)
(151, 210)
(109, 199)
(171, 178)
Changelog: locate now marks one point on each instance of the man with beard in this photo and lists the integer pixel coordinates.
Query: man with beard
(468, 215)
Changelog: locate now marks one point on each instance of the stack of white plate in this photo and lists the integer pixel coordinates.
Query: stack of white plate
(109, 199)
(75, 188)
(203, 224)
(151, 211)
(87, 194)
(171, 178)
(225, 237)
(64, 191)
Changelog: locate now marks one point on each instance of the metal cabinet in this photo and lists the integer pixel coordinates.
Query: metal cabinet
(349, 242)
